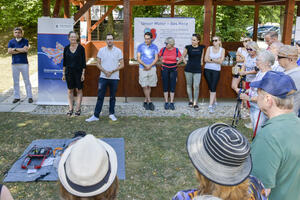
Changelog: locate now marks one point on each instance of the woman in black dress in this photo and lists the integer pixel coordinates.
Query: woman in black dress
(74, 64)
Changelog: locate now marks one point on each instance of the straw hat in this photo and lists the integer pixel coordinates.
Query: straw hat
(88, 167)
(220, 153)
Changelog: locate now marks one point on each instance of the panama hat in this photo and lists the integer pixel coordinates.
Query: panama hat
(88, 167)
(220, 153)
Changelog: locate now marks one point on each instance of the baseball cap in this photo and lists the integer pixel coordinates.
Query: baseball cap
(276, 83)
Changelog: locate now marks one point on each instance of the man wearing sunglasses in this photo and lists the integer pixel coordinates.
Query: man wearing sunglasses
(287, 58)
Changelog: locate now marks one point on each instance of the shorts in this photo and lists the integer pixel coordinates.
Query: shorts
(148, 78)
(73, 80)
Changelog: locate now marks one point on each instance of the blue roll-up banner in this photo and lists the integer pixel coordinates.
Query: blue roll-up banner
(52, 38)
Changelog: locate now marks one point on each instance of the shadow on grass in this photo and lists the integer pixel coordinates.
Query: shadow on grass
(157, 165)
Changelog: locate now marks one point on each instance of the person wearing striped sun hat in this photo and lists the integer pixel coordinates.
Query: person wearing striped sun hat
(222, 160)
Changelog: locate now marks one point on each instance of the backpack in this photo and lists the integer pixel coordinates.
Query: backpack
(163, 51)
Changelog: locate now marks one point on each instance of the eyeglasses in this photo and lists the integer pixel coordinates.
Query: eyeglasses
(280, 57)
(248, 49)
(215, 40)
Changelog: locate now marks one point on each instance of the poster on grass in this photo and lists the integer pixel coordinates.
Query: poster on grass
(181, 29)
(52, 38)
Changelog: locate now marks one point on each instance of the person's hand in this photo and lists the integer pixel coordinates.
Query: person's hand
(147, 67)
(242, 73)
(63, 77)
(25, 48)
(108, 74)
(244, 96)
(82, 78)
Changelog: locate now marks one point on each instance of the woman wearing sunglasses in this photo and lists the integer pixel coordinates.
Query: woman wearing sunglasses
(170, 57)
(214, 56)
(192, 70)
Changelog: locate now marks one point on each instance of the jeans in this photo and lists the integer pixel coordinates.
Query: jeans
(113, 86)
(24, 69)
(169, 75)
(192, 80)
(254, 112)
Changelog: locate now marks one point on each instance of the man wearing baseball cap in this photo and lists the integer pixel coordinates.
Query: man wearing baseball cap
(287, 58)
(275, 150)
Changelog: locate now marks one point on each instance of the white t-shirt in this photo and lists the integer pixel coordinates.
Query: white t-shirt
(243, 53)
(110, 60)
(258, 77)
(250, 64)
(212, 55)
(277, 67)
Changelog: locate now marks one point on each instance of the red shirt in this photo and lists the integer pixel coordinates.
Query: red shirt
(169, 57)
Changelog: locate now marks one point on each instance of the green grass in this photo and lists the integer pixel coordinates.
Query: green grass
(157, 165)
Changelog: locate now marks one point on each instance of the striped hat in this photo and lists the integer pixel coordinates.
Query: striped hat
(220, 153)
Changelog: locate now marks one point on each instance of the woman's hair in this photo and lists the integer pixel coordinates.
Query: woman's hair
(219, 38)
(254, 46)
(198, 37)
(266, 57)
(237, 192)
(74, 33)
(109, 194)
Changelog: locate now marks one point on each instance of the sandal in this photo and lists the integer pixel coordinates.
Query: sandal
(196, 107)
(70, 112)
(190, 104)
(78, 112)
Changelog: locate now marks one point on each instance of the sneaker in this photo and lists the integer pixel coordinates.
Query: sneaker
(211, 109)
(248, 125)
(92, 118)
(167, 106)
(172, 107)
(15, 100)
(196, 107)
(151, 106)
(190, 104)
(30, 100)
(112, 117)
(215, 105)
(145, 105)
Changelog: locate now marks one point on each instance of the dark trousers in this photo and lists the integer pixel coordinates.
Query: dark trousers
(113, 86)
(169, 77)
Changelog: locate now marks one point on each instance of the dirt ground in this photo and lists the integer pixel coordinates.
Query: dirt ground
(6, 81)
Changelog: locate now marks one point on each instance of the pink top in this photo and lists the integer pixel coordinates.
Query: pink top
(169, 57)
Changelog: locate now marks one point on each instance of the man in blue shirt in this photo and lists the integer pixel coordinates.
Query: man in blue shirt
(19, 47)
(147, 56)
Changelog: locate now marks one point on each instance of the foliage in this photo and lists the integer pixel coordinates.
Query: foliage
(148, 11)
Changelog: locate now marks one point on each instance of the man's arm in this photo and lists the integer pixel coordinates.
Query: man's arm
(141, 62)
(101, 68)
(18, 50)
(121, 66)
(154, 61)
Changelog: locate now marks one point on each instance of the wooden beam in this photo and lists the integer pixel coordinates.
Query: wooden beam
(172, 10)
(66, 9)
(298, 10)
(46, 8)
(126, 41)
(288, 21)
(207, 22)
(102, 18)
(269, 1)
(56, 9)
(83, 10)
(89, 22)
(255, 24)
(214, 20)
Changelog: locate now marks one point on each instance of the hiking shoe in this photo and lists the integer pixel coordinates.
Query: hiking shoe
(214, 105)
(190, 104)
(151, 106)
(167, 106)
(30, 100)
(172, 107)
(15, 100)
(92, 118)
(112, 117)
(196, 107)
(211, 109)
(145, 104)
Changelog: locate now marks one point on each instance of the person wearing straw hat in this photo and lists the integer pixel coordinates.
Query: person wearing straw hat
(88, 170)
(275, 150)
(221, 156)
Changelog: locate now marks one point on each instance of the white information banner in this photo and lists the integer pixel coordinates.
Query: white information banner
(181, 29)
(297, 31)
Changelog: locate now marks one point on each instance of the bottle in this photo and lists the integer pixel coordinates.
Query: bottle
(231, 61)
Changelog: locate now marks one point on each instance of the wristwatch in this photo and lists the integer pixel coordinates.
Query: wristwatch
(15, 49)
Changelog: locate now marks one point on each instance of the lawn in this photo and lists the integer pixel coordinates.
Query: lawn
(157, 165)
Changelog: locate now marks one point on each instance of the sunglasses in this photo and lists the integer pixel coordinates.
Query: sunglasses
(248, 49)
(215, 40)
(280, 57)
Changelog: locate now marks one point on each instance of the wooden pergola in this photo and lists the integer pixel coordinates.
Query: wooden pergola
(209, 28)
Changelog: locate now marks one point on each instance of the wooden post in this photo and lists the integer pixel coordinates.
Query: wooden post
(56, 8)
(256, 20)
(298, 10)
(172, 10)
(288, 21)
(207, 22)
(214, 21)
(89, 22)
(66, 9)
(46, 8)
(126, 41)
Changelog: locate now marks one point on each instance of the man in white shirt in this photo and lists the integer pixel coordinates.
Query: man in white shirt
(110, 62)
